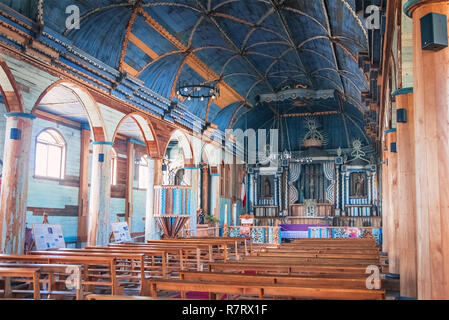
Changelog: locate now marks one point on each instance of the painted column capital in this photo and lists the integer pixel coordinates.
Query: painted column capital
(411, 5)
(20, 115)
(103, 143)
(402, 91)
(390, 131)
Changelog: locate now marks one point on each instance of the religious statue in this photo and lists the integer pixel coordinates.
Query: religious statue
(358, 185)
(266, 188)
(201, 216)
(312, 187)
(179, 177)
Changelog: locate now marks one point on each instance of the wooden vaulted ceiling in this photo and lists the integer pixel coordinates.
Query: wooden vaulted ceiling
(251, 47)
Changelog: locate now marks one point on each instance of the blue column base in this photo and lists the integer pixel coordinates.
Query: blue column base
(407, 298)
(393, 276)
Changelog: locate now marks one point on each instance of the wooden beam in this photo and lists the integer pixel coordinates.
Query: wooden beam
(126, 40)
(228, 94)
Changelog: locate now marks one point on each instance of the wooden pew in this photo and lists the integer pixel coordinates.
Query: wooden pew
(100, 297)
(336, 281)
(286, 269)
(122, 271)
(263, 290)
(29, 273)
(245, 242)
(283, 249)
(327, 255)
(85, 261)
(143, 260)
(198, 251)
(51, 271)
(314, 261)
(218, 242)
(333, 243)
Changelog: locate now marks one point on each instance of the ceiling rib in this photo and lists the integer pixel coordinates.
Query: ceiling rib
(229, 94)
(237, 49)
(277, 8)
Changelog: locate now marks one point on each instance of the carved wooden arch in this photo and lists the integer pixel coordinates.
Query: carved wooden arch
(9, 90)
(146, 130)
(184, 143)
(88, 103)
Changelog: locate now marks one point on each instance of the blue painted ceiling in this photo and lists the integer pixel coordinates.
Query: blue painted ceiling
(255, 46)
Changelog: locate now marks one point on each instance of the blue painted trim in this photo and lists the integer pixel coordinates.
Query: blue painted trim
(402, 91)
(406, 298)
(408, 5)
(393, 276)
(85, 126)
(192, 168)
(102, 143)
(135, 141)
(20, 115)
(390, 130)
(215, 175)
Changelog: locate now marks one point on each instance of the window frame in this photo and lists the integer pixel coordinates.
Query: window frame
(63, 164)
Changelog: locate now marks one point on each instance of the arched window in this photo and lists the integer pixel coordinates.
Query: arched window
(50, 155)
(114, 168)
(143, 172)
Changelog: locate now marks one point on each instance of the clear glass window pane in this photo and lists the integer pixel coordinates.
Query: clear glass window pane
(41, 160)
(54, 162)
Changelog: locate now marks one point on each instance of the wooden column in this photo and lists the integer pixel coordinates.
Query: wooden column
(154, 178)
(407, 195)
(100, 194)
(431, 124)
(14, 188)
(83, 194)
(130, 159)
(393, 205)
(194, 173)
(205, 190)
(385, 199)
(214, 193)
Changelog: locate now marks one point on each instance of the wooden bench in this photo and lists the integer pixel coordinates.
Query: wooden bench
(127, 264)
(336, 281)
(275, 254)
(48, 275)
(28, 273)
(100, 297)
(283, 249)
(263, 290)
(85, 261)
(333, 243)
(315, 261)
(222, 243)
(285, 269)
(199, 252)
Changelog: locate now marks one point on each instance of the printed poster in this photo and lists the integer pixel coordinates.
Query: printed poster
(48, 236)
(121, 232)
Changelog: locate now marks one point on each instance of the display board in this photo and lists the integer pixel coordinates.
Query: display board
(121, 233)
(48, 236)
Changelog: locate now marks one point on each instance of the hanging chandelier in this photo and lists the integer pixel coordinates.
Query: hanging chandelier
(198, 91)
